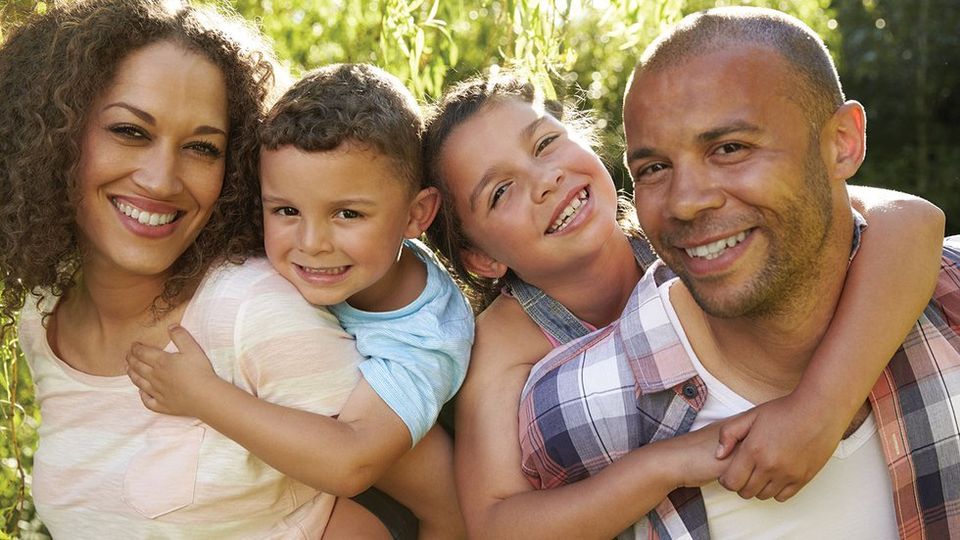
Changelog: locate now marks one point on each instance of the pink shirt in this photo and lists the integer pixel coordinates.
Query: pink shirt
(107, 467)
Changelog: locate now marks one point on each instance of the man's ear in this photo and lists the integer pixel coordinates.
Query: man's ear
(844, 140)
(423, 208)
(481, 264)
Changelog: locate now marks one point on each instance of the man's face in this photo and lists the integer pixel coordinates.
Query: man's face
(729, 182)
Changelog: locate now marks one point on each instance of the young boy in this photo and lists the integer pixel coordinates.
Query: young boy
(343, 205)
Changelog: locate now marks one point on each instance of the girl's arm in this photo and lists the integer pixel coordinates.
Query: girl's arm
(498, 502)
(340, 456)
(888, 286)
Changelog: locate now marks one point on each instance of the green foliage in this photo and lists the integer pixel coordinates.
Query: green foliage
(904, 70)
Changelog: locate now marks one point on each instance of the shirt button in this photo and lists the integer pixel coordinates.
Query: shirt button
(690, 390)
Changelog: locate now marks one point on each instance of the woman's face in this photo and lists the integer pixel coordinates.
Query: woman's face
(530, 194)
(152, 160)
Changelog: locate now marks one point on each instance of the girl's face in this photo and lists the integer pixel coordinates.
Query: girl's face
(530, 195)
(152, 160)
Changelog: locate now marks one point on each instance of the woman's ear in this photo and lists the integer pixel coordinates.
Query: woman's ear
(423, 208)
(481, 264)
(845, 140)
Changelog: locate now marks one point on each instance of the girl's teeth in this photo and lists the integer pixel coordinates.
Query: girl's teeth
(568, 212)
(715, 249)
(142, 216)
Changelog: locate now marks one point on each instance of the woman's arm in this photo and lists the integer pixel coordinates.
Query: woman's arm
(887, 288)
(497, 500)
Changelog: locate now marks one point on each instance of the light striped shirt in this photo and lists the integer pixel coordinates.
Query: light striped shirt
(107, 467)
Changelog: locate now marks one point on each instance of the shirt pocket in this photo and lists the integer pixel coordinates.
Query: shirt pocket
(162, 476)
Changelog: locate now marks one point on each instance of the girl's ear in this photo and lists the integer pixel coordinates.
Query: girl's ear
(423, 209)
(481, 264)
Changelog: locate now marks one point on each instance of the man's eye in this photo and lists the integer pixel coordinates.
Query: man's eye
(287, 211)
(650, 170)
(544, 143)
(729, 148)
(346, 213)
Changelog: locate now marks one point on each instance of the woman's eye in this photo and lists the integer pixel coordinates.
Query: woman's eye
(544, 143)
(497, 193)
(206, 148)
(346, 213)
(286, 211)
(129, 131)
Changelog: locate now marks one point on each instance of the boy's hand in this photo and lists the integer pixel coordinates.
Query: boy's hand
(171, 383)
(782, 444)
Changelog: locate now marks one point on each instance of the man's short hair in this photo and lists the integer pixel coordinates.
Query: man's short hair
(355, 104)
(819, 93)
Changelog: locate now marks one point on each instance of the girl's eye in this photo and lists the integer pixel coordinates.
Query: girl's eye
(129, 131)
(206, 148)
(286, 211)
(346, 213)
(544, 143)
(497, 193)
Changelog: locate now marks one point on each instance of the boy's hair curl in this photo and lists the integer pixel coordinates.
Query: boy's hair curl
(52, 68)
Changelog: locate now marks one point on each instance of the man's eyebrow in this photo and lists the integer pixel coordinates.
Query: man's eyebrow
(733, 127)
(640, 153)
(148, 118)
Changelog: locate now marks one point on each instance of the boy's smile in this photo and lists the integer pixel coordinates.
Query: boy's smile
(334, 222)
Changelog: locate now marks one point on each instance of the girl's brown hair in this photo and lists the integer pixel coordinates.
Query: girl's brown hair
(457, 106)
(52, 68)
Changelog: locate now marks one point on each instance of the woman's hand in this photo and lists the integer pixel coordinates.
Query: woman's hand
(172, 383)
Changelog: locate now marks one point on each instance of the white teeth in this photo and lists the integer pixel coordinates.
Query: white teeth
(715, 249)
(142, 216)
(564, 218)
(332, 271)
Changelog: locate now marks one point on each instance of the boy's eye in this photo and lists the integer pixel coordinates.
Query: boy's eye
(128, 131)
(206, 148)
(286, 211)
(498, 192)
(346, 213)
(544, 143)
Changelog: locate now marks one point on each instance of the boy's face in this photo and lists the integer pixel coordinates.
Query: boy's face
(333, 221)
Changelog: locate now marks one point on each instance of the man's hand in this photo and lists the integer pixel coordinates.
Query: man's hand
(780, 446)
(172, 383)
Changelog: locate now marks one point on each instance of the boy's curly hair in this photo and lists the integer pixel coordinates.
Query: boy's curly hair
(349, 103)
(52, 68)
(459, 104)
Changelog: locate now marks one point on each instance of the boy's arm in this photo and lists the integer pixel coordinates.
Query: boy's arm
(888, 285)
(498, 501)
(342, 457)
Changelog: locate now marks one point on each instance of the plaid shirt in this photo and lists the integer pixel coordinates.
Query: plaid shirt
(631, 383)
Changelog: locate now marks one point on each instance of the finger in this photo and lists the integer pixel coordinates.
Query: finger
(141, 383)
(754, 484)
(732, 432)
(789, 491)
(769, 490)
(184, 340)
(151, 356)
(150, 402)
(738, 472)
(138, 366)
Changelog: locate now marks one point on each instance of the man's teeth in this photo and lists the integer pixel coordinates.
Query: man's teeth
(331, 271)
(571, 210)
(715, 249)
(144, 217)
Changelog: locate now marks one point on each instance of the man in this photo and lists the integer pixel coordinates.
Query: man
(740, 142)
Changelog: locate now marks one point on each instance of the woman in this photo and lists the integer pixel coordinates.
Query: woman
(129, 172)
(537, 213)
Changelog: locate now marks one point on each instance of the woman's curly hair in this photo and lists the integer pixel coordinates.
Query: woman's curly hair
(460, 103)
(52, 68)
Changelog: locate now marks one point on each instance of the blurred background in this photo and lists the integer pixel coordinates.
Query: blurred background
(900, 59)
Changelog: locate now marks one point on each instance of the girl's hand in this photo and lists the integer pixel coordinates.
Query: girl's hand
(780, 446)
(172, 383)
